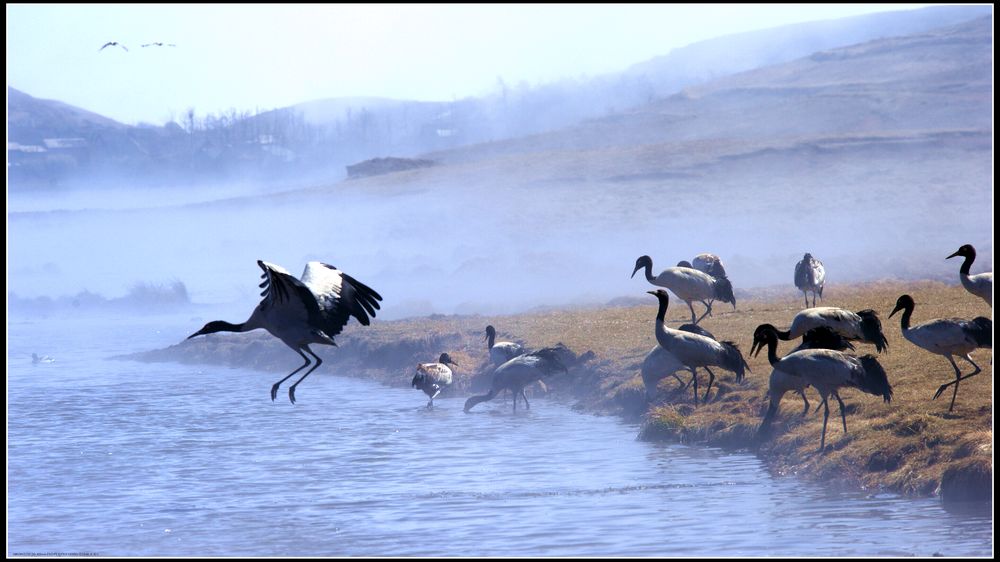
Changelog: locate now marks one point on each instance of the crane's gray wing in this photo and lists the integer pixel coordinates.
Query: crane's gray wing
(283, 292)
(801, 279)
(339, 297)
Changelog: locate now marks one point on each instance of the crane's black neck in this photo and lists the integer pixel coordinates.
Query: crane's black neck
(967, 264)
(784, 336)
(648, 269)
(662, 312)
(223, 326)
(904, 320)
(772, 351)
(491, 339)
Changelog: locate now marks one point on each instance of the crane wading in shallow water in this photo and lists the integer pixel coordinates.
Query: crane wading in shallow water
(302, 312)
(689, 285)
(518, 373)
(433, 377)
(947, 337)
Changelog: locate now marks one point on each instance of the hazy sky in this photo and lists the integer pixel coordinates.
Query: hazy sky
(266, 56)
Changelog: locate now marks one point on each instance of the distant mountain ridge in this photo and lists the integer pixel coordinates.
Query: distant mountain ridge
(321, 137)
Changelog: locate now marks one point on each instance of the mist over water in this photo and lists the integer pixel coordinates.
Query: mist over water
(447, 248)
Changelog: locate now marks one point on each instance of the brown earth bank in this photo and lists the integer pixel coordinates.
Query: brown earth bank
(911, 445)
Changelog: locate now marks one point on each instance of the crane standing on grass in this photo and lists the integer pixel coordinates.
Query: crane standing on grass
(810, 276)
(947, 337)
(694, 350)
(689, 285)
(980, 284)
(825, 370)
(302, 312)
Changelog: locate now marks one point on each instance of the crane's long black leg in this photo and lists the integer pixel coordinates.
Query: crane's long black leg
(805, 297)
(515, 393)
(708, 310)
(708, 306)
(525, 396)
(958, 379)
(826, 416)
(274, 389)
(843, 416)
(711, 378)
(680, 380)
(806, 400)
(694, 379)
(291, 389)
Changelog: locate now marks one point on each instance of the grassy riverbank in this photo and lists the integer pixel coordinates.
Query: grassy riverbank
(912, 445)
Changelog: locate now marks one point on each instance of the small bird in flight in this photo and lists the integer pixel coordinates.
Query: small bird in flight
(113, 44)
(159, 44)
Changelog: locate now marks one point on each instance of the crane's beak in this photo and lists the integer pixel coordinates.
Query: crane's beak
(634, 272)
(895, 310)
(953, 255)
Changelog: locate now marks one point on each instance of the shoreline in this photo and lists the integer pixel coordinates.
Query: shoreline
(911, 446)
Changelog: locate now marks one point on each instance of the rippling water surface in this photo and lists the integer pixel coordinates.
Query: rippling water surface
(121, 458)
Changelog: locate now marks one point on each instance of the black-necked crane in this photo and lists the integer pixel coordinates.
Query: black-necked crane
(302, 312)
(980, 284)
(518, 373)
(112, 44)
(826, 370)
(501, 351)
(689, 285)
(710, 264)
(863, 325)
(433, 377)
(660, 363)
(947, 337)
(695, 350)
(780, 383)
(809, 277)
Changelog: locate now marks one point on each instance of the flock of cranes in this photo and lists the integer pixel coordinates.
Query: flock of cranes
(117, 44)
(315, 308)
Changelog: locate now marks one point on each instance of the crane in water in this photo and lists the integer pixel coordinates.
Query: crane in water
(302, 312)
(518, 373)
(433, 377)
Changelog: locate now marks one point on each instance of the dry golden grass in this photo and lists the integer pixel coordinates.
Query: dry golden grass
(906, 446)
